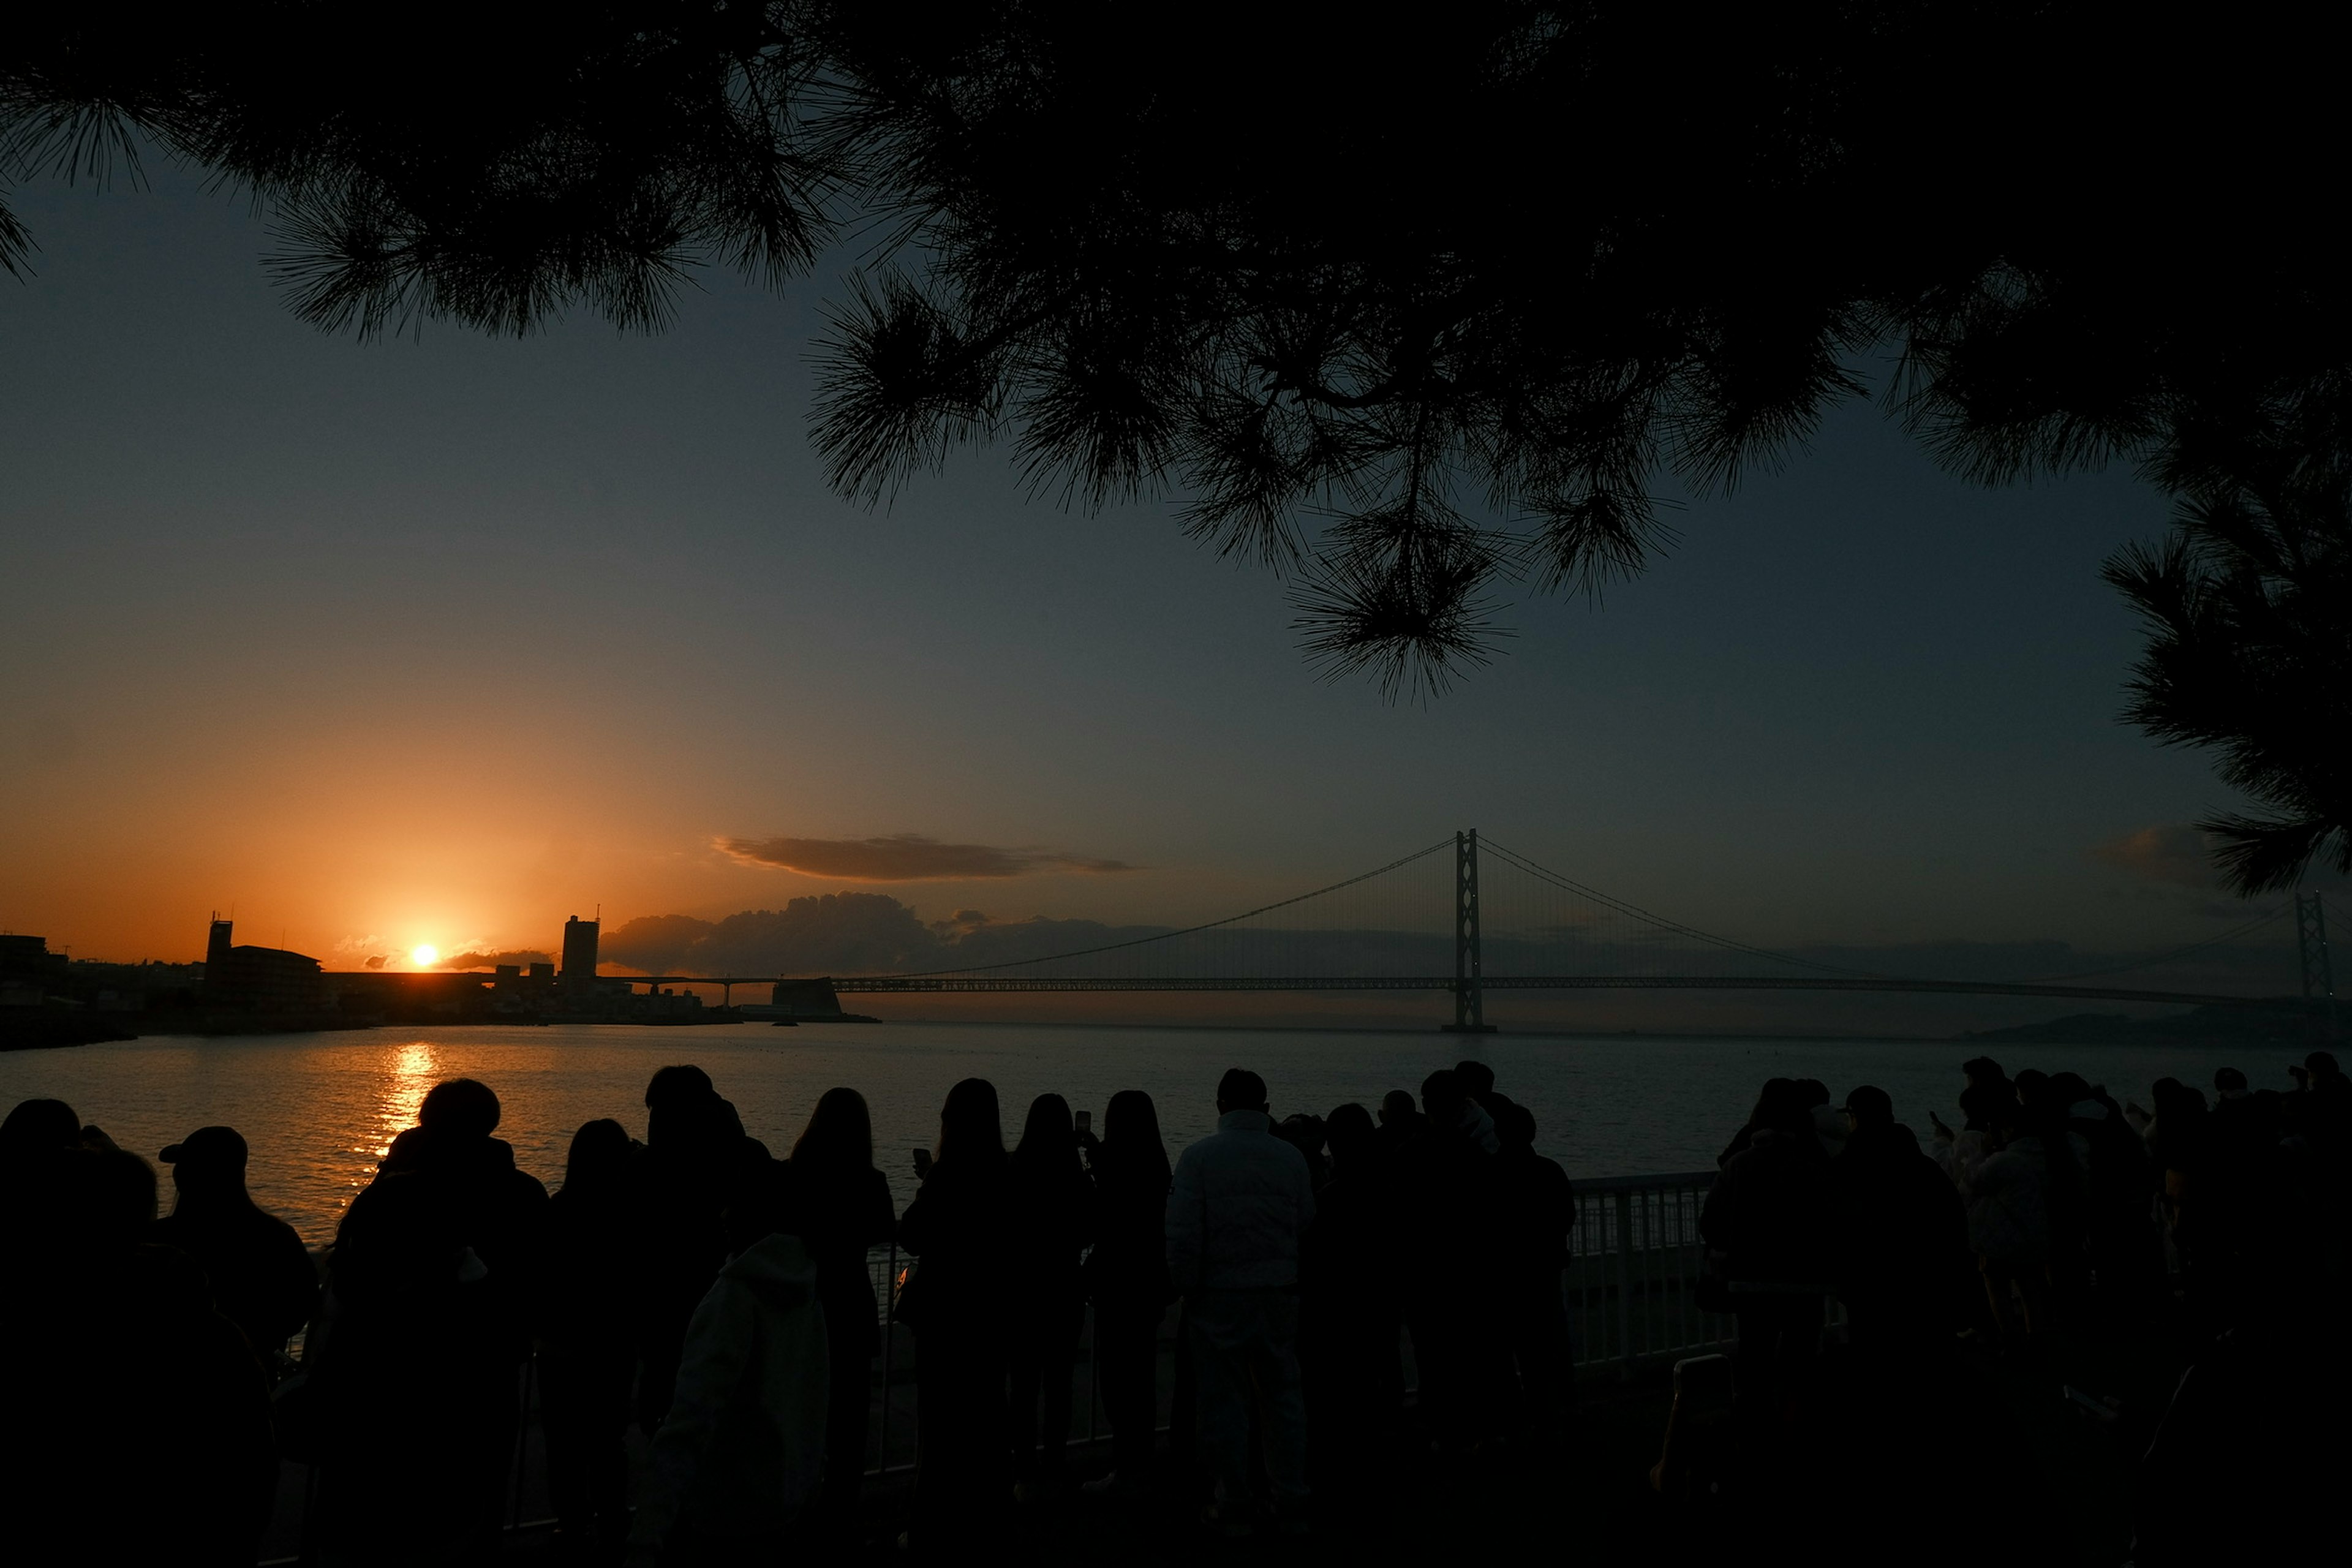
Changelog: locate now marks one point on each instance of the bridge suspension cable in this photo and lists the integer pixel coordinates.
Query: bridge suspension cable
(1187, 930)
(1662, 923)
(2153, 960)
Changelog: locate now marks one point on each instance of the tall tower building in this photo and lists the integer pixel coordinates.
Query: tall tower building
(578, 950)
(217, 946)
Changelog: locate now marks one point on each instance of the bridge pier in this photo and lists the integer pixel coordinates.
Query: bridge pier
(1469, 972)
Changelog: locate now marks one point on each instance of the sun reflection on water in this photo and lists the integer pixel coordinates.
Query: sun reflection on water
(409, 1071)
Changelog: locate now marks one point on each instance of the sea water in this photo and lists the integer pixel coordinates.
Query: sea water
(318, 1110)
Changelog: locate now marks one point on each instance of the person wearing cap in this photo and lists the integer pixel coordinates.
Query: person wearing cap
(261, 1276)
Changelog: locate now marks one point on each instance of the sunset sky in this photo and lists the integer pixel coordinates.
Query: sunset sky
(443, 640)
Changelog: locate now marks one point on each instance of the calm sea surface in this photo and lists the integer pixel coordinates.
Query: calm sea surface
(318, 1110)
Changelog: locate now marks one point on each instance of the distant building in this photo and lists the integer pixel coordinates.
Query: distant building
(579, 951)
(27, 963)
(259, 979)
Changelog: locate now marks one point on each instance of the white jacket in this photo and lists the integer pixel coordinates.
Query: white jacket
(743, 1444)
(1241, 1199)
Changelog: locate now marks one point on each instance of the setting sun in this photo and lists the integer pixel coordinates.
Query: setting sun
(426, 955)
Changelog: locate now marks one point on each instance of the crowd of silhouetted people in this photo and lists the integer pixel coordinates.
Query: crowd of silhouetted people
(723, 1300)
(2052, 1225)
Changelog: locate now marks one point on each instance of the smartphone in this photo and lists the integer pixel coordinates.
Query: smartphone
(1085, 1123)
(922, 1163)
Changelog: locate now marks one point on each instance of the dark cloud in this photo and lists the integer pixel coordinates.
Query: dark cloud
(835, 933)
(2170, 852)
(908, 857)
(655, 944)
(521, 957)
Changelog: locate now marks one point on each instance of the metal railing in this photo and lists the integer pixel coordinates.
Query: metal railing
(1630, 1293)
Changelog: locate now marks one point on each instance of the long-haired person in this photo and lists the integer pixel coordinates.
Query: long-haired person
(839, 1205)
(591, 1282)
(956, 1228)
(1052, 1201)
(1126, 1275)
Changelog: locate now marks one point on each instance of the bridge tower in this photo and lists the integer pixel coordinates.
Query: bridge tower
(2311, 947)
(1469, 978)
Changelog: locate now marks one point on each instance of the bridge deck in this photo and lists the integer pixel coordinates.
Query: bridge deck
(908, 984)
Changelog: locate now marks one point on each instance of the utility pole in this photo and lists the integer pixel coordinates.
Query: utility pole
(2310, 948)
(1469, 979)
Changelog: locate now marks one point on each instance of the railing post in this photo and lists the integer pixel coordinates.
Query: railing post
(1625, 1285)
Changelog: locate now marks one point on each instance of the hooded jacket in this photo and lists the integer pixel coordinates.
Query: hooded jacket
(743, 1446)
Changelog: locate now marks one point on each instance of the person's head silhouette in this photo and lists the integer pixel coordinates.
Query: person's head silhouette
(208, 1164)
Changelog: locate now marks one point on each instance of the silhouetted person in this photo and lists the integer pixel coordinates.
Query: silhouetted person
(434, 1280)
(261, 1274)
(1305, 1134)
(1538, 1211)
(471, 1197)
(1902, 1257)
(590, 1287)
(138, 1422)
(1452, 1217)
(1050, 1201)
(2175, 1137)
(2048, 1101)
(741, 1451)
(839, 1205)
(1478, 1081)
(1401, 1119)
(36, 1126)
(1768, 1219)
(1126, 1276)
(1772, 1101)
(2011, 1227)
(1240, 1201)
(1351, 1261)
(35, 1130)
(1984, 1099)
(959, 1228)
(2122, 1249)
(696, 1162)
(2246, 1191)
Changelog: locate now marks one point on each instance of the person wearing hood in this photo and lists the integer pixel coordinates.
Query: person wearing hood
(1902, 1236)
(741, 1451)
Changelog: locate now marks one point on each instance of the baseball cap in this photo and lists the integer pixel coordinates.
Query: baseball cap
(208, 1146)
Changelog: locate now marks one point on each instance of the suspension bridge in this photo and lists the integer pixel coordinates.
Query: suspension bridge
(1466, 916)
